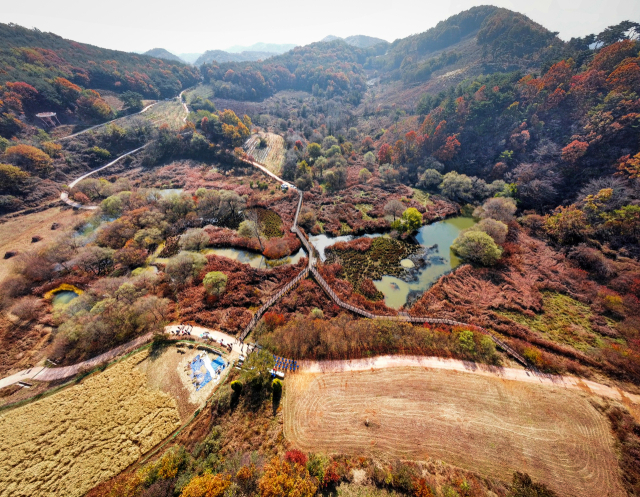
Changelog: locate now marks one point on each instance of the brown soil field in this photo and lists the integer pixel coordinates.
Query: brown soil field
(65, 444)
(272, 155)
(16, 233)
(490, 426)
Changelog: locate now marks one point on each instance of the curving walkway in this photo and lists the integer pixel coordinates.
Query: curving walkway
(108, 122)
(512, 374)
(327, 288)
(40, 373)
(51, 374)
(64, 196)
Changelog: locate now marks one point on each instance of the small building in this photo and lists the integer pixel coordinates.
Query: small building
(284, 187)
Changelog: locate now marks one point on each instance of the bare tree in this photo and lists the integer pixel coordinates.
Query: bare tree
(252, 215)
(394, 208)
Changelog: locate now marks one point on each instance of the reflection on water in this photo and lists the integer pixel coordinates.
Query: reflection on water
(321, 242)
(255, 260)
(442, 233)
(63, 298)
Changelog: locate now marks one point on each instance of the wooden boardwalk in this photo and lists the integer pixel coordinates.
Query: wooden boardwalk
(311, 269)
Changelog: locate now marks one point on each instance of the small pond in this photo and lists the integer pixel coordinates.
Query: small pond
(440, 260)
(63, 298)
(255, 260)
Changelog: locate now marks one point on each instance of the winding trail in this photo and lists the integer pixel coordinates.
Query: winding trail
(329, 291)
(109, 122)
(64, 196)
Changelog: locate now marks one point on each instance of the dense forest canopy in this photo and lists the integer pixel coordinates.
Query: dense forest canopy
(327, 68)
(38, 58)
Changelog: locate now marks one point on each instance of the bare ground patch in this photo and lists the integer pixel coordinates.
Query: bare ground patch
(17, 233)
(169, 372)
(486, 425)
(67, 443)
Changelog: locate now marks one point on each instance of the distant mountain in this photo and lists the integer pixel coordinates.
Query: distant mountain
(190, 57)
(329, 38)
(222, 56)
(360, 41)
(161, 53)
(263, 47)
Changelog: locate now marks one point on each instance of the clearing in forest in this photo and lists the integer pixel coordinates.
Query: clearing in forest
(67, 443)
(271, 155)
(490, 426)
(169, 112)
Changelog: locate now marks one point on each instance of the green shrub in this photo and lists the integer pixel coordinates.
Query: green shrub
(236, 386)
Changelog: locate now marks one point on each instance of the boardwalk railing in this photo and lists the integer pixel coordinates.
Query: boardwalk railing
(256, 317)
(361, 312)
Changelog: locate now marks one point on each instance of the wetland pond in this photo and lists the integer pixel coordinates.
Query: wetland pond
(63, 297)
(255, 260)
(423, 269)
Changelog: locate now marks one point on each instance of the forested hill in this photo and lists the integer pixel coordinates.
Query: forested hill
(482, 35)
(161, 53)
(37, 58)
(333, 68)
(488, 38)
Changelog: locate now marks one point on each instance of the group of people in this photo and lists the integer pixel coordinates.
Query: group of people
(183, 329)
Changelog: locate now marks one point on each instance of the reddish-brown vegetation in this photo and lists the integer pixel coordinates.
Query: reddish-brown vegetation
(246, 288)
(528, 268)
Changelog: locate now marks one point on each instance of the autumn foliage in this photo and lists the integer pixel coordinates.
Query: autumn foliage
(282, 478)
(207, 485)
(29, 158)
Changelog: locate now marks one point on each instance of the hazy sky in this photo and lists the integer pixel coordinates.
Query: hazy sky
(198, 25)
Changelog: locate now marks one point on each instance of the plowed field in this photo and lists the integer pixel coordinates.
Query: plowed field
(483, 424)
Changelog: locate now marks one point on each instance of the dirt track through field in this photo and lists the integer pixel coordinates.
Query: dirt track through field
(483, 424)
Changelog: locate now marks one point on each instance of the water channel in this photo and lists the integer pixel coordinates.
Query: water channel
(255, 260)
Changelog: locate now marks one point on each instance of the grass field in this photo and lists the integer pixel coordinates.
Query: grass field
(16, 233)
(170, 112)
(65, 444)
(272, 155)
(564, 320)
(202, 91)
(486, 425)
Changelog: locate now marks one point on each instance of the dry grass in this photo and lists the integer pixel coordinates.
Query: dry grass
(272, 155)
(65, 444)
(202, 91)
(489, 426)
(169, 112)
(17, 232)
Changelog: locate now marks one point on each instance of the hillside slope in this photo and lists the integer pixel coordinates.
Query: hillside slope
(161, 53)
(38, 58)
(360, 41)
(221, 56)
